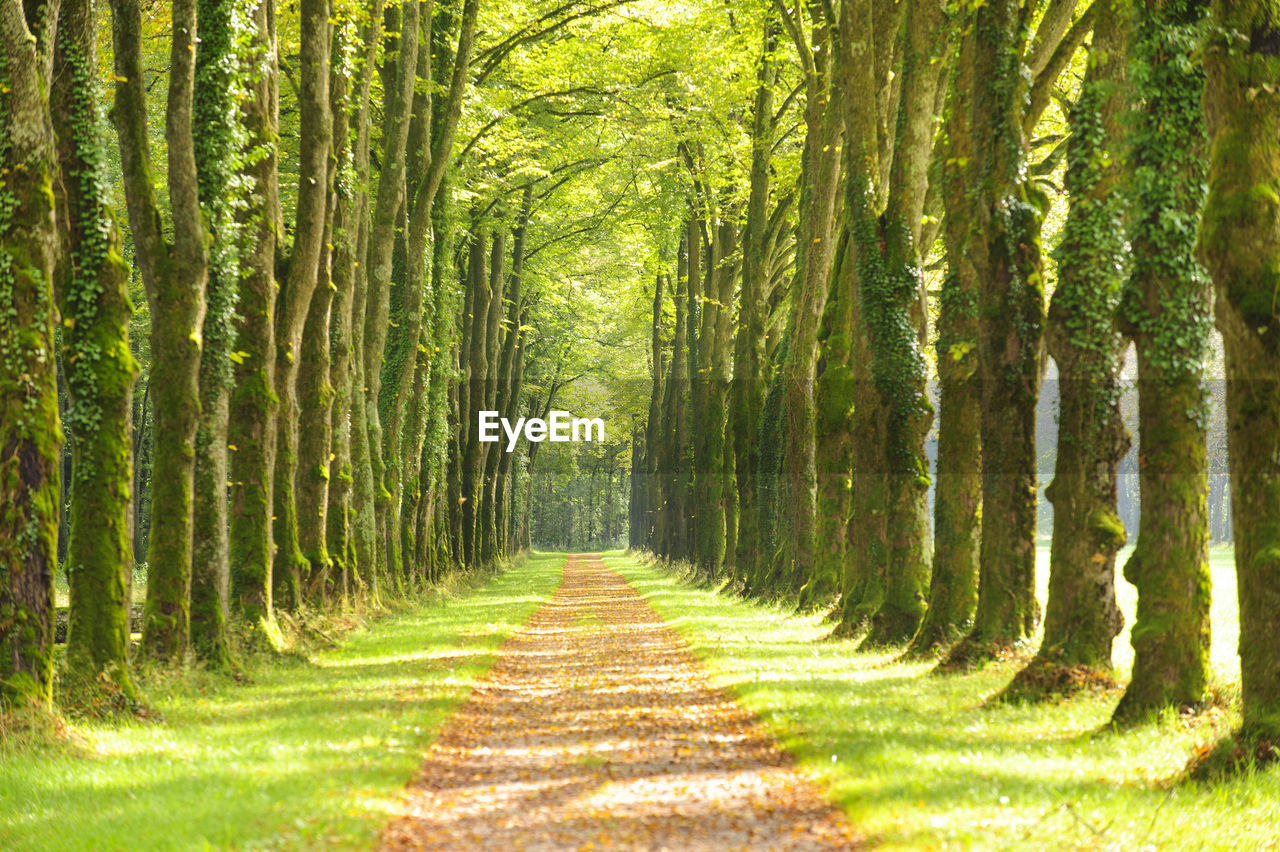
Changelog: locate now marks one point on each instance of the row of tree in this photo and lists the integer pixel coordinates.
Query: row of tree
(326, 319)
(785, 442)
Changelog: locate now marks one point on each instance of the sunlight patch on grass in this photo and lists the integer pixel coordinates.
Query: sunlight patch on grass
(309, 755)
(918, 762)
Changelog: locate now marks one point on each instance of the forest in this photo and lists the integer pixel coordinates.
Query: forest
(943, 334)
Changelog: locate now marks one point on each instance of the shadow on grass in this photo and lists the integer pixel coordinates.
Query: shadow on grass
(919, 762)
(308, 755)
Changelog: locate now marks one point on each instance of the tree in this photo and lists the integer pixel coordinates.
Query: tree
(1081, 615)
(30, 437)
(313, 218)
(175, 274)
(93, 295)
(251, 423)
(815, 248)
(886, 258)
(1005, 250)
(1165, 309)
(218, 138)
(1239, 245)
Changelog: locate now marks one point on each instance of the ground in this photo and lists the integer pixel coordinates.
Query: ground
(598, 728)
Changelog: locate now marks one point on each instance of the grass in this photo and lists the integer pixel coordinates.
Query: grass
(918, 762)
(311, 754)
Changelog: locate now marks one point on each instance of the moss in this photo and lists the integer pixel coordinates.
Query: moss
(1165, 308)
(30, 434)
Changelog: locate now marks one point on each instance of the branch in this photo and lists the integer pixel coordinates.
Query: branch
(1042, 88)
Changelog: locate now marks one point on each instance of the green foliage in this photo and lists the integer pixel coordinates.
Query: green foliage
(1167, 151)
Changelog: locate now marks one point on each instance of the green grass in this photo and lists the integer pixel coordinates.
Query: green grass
(917, 761)
(311, 754)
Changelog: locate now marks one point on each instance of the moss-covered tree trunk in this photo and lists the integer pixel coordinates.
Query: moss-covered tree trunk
(315, 438)
(311, 226)
(815, 250)
(1165, 309)
(100, 370)
(834, 420)
(1081, 615)
(894, 315)
(506, 483)
(486, 535)
(1006, 255)
(957, 526)
(648, 491)
(353, 62)
(175, 275)
(749, 382)
(1241, 248)
(218, 138)
(251, 430)
(404, 324)
(30, 436)
(387, 212)
(672, 522)
(710, 391)
(476, 369)
(507, 400)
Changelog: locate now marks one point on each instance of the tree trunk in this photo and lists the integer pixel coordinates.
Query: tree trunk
(488, 469)
(398, 107)
(1006, 255)
(957, 509)
(175, 277)
(251, 430)
(30, 437)
(749, 380)
(475, 370)
(893, 313)
(314, 180)
(837, 420)
(1165, 308)
(1240, 248)
(100, 369)
(1081, 616)
(647, 491)
(815, 244)
(214, 130)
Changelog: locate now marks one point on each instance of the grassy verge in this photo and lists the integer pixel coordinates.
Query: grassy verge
(917, 762)
(311, 754)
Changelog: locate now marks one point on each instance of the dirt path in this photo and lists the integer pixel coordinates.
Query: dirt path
(598, 729)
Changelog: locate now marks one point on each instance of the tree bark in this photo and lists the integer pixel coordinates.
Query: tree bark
(214, 126)
(398, 108)
(314, 179)
(1006, 255)
(30, 436)
(99, 366)
(1238, 242)
(251, 429)
(1081, 616)
(1165, 309)
(175, 276)
(815, 250)
(957, 509)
